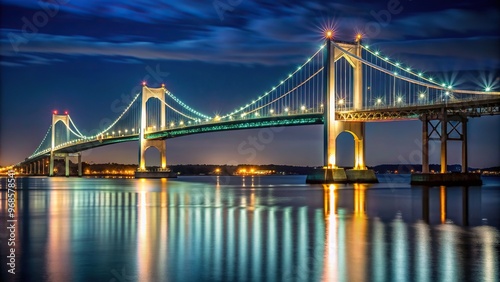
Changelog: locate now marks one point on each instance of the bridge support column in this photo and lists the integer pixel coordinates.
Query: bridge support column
(66, 160)
(447, 128)
(80, 173)
(43, 166)
(425, 144)
(465, 159)
(329, 108)
(158, 144)
(444, 145)
(51, 164)
(359, 148)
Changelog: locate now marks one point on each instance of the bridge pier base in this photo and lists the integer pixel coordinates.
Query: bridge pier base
(340, 175)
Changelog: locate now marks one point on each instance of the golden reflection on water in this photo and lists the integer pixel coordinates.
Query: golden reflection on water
(359, 200)
(144, 252)
(330, 266)
(345, 239)
(357, 233)
(58, 256)
(442, 200)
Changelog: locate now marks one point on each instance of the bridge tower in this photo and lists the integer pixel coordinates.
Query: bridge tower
(144, 144)
(55, 119)
(332, 127)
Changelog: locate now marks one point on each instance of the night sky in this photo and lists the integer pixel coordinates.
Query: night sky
(86, 56)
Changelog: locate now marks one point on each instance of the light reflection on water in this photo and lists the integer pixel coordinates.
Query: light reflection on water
(252, 229)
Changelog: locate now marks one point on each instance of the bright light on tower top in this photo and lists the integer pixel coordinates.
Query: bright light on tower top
(329, 34)
(144, 83)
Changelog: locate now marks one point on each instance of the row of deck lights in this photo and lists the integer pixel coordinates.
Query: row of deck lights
(120, 132)
(399, 99)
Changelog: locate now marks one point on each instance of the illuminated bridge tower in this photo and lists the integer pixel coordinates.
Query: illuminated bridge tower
(55, 119)
(144, 144)
(332, 127)
(64, 118)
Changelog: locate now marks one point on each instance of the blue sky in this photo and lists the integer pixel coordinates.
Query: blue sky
(83, 56)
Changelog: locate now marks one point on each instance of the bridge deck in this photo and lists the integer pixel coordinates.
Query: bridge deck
(470, 108)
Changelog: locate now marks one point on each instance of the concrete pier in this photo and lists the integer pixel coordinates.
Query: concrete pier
(340, 175)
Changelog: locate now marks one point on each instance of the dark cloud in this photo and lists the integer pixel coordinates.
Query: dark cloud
(139, 11)
(123, 61)
(10, 64)
(253, 32)
(450, 23)
(219, 45)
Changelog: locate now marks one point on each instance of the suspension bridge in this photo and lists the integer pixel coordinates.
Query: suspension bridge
(343, 85)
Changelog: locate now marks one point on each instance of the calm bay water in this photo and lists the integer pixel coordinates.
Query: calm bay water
(272, 228)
